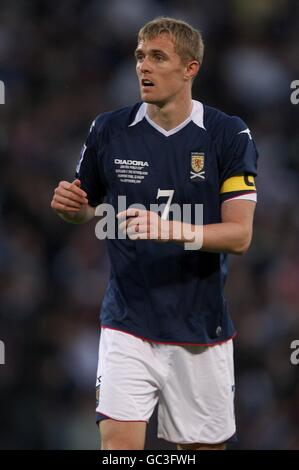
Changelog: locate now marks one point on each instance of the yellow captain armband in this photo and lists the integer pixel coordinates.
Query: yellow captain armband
(238, 183)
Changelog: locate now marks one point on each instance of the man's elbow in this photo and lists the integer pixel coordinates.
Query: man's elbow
(242, 245)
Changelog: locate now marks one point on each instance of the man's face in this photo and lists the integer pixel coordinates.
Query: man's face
(160, 70)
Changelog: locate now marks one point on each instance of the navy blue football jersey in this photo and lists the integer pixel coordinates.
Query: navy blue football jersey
(160, 291)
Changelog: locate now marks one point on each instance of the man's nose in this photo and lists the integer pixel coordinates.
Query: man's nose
(145, 65)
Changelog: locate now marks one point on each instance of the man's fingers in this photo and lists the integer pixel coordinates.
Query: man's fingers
(72, 187)
(60, 191)
(132, 222)
(138, 226)
(66, 201)
(65, 191)
(62, 207)
(125, 224)
(131, 212)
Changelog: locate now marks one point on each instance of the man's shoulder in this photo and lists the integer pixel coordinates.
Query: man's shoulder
(216, 120)
(115, 120)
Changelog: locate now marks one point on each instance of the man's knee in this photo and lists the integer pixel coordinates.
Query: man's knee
(119, 435)
(198, 446)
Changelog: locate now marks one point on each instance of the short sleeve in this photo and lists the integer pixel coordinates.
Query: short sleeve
(88, 169)
(238, 163)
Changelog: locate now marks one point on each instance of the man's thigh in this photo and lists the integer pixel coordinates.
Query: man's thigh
(121, 435)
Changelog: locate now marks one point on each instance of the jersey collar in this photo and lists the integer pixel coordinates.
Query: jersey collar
(196, 116)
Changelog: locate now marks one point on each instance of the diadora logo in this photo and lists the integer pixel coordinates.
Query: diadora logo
(118, 161)
(197, 165)
(131, 171)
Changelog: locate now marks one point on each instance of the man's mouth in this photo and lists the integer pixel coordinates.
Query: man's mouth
(146, 82)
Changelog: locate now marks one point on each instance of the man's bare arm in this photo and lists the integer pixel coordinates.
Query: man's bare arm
(232, 235)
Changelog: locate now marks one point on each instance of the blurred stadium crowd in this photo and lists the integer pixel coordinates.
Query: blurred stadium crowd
(62, 64)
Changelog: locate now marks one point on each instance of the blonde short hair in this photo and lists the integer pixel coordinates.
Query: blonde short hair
(187, 40)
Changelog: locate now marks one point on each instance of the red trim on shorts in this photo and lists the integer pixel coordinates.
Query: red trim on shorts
(200, 443)
(175, 344)
(123, 420)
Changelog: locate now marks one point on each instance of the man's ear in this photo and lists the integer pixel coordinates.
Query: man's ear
(191, 70)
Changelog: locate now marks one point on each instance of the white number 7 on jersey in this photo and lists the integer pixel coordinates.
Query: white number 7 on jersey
(165, 193)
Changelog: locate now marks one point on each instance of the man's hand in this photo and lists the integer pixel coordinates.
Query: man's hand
(143, 225)
(147, 225)
(71, 203)
(68, 197)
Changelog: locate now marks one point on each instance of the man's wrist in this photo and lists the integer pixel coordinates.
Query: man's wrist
(187, 234)
(82, 216)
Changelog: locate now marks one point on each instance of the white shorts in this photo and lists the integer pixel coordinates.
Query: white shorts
(194, 386)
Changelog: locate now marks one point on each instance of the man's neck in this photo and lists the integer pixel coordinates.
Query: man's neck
(171, 114)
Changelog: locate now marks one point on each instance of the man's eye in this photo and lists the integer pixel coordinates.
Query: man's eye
(159, 57)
